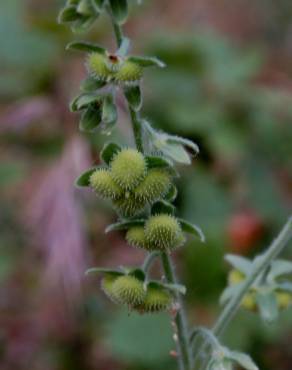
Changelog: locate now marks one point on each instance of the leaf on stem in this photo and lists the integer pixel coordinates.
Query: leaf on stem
(187, 227)
(240, 263)
(119, 10)
(133, 96)
(162, 206)
(109, 151)
(85, 46)
(83, 179)
(91, 118)
(124, 225)
(147, 61)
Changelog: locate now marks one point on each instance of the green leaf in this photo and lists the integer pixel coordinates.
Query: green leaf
(187, 227)
(83, 100)
(91, 84)
(176, 152)
(162, 207)
(85, 46)
(90, 118)
(68, 14)
(138, 273)
(160, 162)
(268, 307)
(97, 270)
(133, 96)
(242, 359)
(83, 23)
(124, 225)
(172, 193)
(83, 179)
(84, 7)
(109, 113)
(147, 61)
(278, 268)
(119, 10)
(109, 151)
(240, 263)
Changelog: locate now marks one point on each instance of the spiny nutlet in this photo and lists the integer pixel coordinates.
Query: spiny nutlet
(103, 184)
(156, 300)
(136, 237)
(154, 186)
(163, 232)
(129, 205)
(128, 168)
(107, 286)
(98, 66)
(129, 73)
(235, 277)
(128, 290)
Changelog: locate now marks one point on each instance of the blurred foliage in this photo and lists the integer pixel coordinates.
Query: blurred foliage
(231, 97)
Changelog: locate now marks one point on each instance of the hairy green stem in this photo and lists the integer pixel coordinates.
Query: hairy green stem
(183, 347)
(149, 260)
(272, 252)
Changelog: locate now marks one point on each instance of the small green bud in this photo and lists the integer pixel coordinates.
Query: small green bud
(129, 73)
(129, 205)
(155, 185)
(157, 299)
(136, 237)
(235, 277)
(128, 168)
(128, 290)
(163, 232)
(103, 184)
(107, 286)
(98, 66)
(284, 299)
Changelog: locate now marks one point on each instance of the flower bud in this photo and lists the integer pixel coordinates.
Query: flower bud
(128, 290)
(284, 299)
(136, 237)
(157, 299)
(249, 302)
(103, 184)
(107, 286)
(163, 232)
(129, 73)
(235, 277)
(154, 186)
(128, 168)
(98, 66)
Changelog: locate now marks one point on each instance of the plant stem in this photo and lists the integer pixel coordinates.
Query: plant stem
(272, 252)
(148, 260)
(183, 346)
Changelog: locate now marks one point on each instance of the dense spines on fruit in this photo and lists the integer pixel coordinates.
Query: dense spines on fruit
(157, 299)
(163, 232)
(129, 206)
(155, 185)
(103, 184)
(107, 286)
(128, 290)
(128, 168)
(136, 237)
(98, 66)
(129, 73)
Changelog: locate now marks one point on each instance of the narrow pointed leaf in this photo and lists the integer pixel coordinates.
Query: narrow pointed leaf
(68, 14)
(91, 118)
(85, 46)
(240, 263)
(279, 268)
(160, 162)
(147, 61)
(124, 225)
(134, 97)
(119, 10)
(83, 179)
(97, 270)
(91, 84)
(83, 100)
(83, 23)
(243, 360)
(162, 207)
(109, 151)
(176, 152)
(172, 193)
(187, 227)
(109, 112)
(267, 304)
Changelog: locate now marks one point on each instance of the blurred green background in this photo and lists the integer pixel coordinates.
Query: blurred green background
(228, 87)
